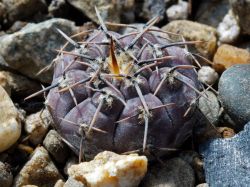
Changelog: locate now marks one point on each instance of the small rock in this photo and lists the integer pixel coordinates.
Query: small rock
(227, 161)
(18, 25)
(178, 11)
(60, 183)
(228, 30)
(234, 92)
(10, 123)
(36, 126)
(174, 172)
(193, 158)
(39, 170)
(58, 8)
(226, 132)
(73, 182)
(56, 147)
(18, 84)
(2, 13)
(4, 83)
(203, 185)
(6, 176)
(110, 10)
(152, 8)
(195, 31)
(110, 169)
(242, 9)
(22, 9)
(71, 161)
(211, 12)
(31, 49)
(207, 75)
(228, 55)
(210, 107)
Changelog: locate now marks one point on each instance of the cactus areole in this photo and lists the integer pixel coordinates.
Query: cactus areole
(124, 92)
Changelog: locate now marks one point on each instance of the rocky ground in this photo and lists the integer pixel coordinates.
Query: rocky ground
(32, 153)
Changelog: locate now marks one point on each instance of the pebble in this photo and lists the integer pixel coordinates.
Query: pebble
(207, 75)
(110, 169)
(22, 9)
(73, 182)
(229, 29)
(194, 159)
(234, 89)
(210, 107)
(203, 185)
(56, 147)
(194, 31)
(6, 177)
(36, 126)
(241, 9)
(60, 183)
(226, 132)
(152, 8)
(228, 55)
(174, 172)
(31, 49)
(58, 8)
(39, 170)
(226, 161)
(109, 10)
(10, 123)
(19, 85)
(178, 11)
(211, 12)
(71, 161)
(4, 83)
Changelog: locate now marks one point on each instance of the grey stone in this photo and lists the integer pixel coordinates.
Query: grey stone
(234, 89)
(194, 159)
(241, 9)
(58, 8)
(39, 170)
(56, 147)
(72, 182)
(19, 85)
(175, 172)
(22, 9)
(31, 49)
(6, 176)
(110, 10)
(211, 12)
(152, 8)
(210, 107)
(227, 161)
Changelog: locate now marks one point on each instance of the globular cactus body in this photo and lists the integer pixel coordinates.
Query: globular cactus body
(124, 92)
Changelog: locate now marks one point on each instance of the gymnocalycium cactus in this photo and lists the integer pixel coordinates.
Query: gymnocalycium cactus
(123, 93)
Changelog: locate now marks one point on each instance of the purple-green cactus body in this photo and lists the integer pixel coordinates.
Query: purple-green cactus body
(109, 89)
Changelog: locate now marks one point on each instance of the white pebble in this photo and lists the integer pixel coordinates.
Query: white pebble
(10, 123)
(178, 11)
(36, 125)
(207, 75)
(229, 29)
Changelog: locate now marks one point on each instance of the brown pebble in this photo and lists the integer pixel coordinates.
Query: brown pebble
(227, 56)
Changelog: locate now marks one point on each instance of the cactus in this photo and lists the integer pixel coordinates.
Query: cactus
(134, 92)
